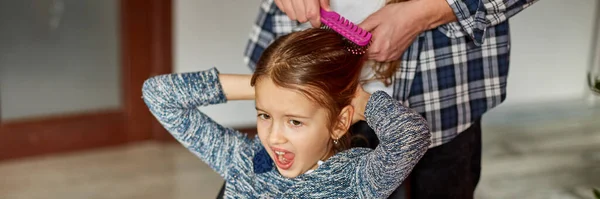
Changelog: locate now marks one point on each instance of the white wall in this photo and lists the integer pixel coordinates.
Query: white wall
(214, 33)
(552, 44)
(551, 49)
(594, 69)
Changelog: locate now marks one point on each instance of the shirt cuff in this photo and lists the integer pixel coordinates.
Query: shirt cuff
(471, 21)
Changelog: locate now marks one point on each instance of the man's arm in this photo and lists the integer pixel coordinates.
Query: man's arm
(396, 25)
(475, 16)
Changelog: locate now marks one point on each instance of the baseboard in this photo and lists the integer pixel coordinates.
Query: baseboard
(51, 135)
(564, 110)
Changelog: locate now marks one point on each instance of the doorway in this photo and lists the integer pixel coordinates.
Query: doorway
(71, 73)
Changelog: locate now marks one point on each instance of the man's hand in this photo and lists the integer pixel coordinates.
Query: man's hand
(304, 10)
(396, 26)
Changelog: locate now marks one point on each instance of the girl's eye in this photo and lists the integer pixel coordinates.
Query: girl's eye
(264, 116)
(295, 123)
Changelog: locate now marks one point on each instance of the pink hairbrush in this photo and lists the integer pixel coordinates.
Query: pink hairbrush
(359, 38)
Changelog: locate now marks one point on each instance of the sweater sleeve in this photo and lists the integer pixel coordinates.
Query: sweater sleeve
(404, 138)
(175, 99)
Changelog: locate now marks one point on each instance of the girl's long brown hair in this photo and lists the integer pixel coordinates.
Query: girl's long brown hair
(314, 62)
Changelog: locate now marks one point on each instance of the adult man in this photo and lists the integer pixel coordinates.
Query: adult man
(454, 64)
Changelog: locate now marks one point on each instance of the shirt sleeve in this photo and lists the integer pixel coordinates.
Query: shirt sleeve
(475, 16)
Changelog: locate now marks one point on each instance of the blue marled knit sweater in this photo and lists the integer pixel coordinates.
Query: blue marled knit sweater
(174, 100)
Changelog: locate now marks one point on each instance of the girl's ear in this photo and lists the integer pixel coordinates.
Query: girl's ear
(344, 121)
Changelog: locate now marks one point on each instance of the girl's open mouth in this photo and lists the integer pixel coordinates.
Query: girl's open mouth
(283, 158)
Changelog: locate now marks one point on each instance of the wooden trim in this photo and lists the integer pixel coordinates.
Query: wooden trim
(162, 36)
(163, 52)
(136, 47)
(54, 134)
(147, 51)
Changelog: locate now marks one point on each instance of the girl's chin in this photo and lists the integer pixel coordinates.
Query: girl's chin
(288, 173)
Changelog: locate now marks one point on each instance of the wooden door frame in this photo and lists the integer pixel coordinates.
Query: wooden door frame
(146, 50)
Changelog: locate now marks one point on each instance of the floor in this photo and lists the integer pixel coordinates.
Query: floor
(557, 156)
(145, 170)
(542, 153)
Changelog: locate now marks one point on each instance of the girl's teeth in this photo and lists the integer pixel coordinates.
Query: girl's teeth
(283, 156)
(282, 159)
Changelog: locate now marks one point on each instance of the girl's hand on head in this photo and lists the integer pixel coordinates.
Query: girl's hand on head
(304, 10)
(359, 103)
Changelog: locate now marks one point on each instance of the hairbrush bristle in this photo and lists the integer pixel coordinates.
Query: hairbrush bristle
(350, 46)
(357, 38)
(355, 49)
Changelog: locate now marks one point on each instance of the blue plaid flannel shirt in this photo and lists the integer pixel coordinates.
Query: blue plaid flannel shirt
(451, 75)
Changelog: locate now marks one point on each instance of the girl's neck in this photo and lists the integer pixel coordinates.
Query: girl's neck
(324, 158)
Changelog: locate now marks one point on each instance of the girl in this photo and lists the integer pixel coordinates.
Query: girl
(307, 95)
